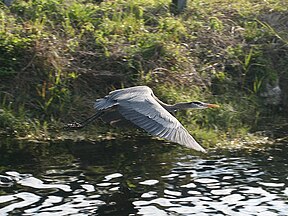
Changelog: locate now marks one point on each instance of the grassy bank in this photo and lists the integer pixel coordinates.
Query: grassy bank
(58, 56)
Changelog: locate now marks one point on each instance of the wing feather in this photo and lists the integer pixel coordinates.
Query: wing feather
(138, 105)
(156, 120)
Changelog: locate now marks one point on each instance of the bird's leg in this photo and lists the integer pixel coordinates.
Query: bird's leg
(77, 125)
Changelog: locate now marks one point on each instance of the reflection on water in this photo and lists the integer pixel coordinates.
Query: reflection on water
(140, 178)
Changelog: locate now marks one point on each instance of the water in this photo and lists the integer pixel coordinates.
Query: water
(140, 177)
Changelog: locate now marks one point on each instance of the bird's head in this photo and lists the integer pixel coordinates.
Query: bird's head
(202, 105)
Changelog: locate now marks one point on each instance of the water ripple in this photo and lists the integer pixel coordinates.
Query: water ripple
(147, 183)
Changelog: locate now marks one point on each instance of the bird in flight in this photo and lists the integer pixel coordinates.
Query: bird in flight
(138, 105)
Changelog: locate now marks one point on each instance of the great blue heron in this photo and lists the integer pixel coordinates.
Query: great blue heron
(140, 106)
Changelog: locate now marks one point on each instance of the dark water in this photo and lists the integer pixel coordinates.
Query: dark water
(140, 177)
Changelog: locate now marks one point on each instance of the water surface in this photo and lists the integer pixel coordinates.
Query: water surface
(140, 177)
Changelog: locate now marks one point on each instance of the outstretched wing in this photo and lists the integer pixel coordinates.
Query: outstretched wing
(138, 105)
(145, 112)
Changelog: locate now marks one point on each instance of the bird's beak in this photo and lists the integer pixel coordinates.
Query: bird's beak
(212, 106)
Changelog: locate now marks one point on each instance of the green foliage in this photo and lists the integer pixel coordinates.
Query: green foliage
(54, 95)
(216, 24)
(252, 67)
(62, 54)
(13, 43)
(13, 124)
(173, 28)
(6, 118)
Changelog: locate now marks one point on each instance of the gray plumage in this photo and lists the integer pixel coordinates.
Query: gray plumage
(140, 106)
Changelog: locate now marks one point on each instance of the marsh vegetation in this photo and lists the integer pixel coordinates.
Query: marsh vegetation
(58, 56)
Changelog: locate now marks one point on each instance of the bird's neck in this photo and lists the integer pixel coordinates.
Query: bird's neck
(174, 107)
(179, 106)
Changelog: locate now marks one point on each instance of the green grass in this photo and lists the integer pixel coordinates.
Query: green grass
(62, 55)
